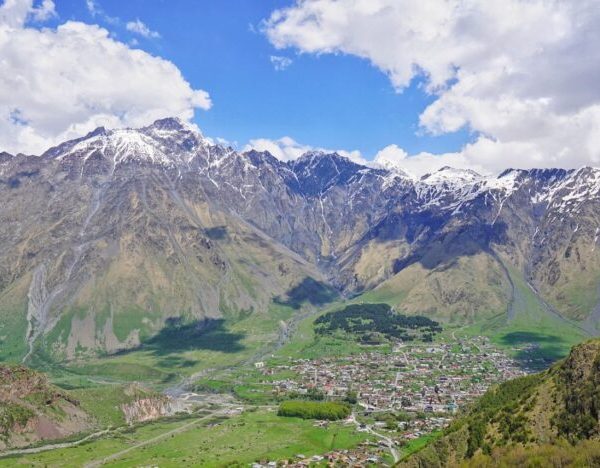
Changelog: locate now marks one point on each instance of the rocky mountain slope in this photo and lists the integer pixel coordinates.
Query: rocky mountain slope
(105, 238)
(520, 421)
(31, 409)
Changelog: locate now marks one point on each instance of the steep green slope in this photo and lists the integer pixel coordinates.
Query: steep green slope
(537, 334)
(462, 290)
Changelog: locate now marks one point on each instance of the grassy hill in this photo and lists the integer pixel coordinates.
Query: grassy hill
(548, 416)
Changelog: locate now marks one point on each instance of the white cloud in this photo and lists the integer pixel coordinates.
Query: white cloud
(97, 11)
(284, 149)
(61, 83)
(44, 11)
(92, 7)
(14, 13)
(288, 149)
(140, 28)
(393, 157)
(521, 74)
(280, 63)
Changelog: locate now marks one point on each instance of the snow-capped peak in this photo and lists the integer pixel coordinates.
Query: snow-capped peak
(394, 167)
(170, 124)
(173, 125)
(392, 162)
(167, 142)
(452, 177)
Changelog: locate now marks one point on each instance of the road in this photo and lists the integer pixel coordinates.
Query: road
(153, 440)
(284, 335)
(389, 442)
(45, 448)
(180, 391)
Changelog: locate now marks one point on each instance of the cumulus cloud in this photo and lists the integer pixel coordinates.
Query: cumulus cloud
(284, 149)
(44, 11)
(61, 83)
(280, 63)
(288, 149)
(138, 27)
(521, 74)
(391, 157)
(14, 13)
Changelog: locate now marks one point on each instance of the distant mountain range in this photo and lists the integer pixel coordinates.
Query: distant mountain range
(105, 237)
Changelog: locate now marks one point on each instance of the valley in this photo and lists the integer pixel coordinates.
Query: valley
(244, 400)
(404, 396)
(300, 233)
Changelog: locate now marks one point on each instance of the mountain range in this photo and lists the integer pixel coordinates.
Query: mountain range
(105, 238)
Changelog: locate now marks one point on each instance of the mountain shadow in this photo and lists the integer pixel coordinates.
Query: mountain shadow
(308, 290)
(178, 336)
(216, 233)
(542, 350)
(443, 249)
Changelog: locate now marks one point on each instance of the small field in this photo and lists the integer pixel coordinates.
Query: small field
(417, 444)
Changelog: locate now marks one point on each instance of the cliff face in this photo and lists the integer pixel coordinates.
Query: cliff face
(145, 409)
(145, 405)
(528, 417)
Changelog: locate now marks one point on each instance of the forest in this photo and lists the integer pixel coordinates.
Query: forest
(375, 323)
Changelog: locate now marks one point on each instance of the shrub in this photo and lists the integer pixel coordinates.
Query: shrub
(12, 414)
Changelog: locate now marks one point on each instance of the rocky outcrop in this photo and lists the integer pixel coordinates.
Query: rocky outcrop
(145, 409)
(31, 409)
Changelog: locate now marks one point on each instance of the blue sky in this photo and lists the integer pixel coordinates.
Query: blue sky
(511, 84)
(331, 101)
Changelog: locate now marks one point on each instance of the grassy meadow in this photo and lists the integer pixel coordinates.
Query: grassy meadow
(210, 442)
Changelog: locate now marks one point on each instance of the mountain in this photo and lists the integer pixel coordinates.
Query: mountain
(106, 239)
(551, 416)
(108, 236)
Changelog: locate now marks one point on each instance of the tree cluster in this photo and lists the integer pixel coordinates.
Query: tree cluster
(375, 323)
(328, 410)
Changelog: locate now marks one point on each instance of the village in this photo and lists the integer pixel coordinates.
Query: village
(399, 396)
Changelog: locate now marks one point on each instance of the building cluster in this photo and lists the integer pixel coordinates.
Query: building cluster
(400, 395)
(431, 381)
(366, 454)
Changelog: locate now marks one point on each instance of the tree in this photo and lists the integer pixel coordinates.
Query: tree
(352, 397)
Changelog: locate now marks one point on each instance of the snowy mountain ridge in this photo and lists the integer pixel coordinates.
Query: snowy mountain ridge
(174, 144)
(214, 231)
